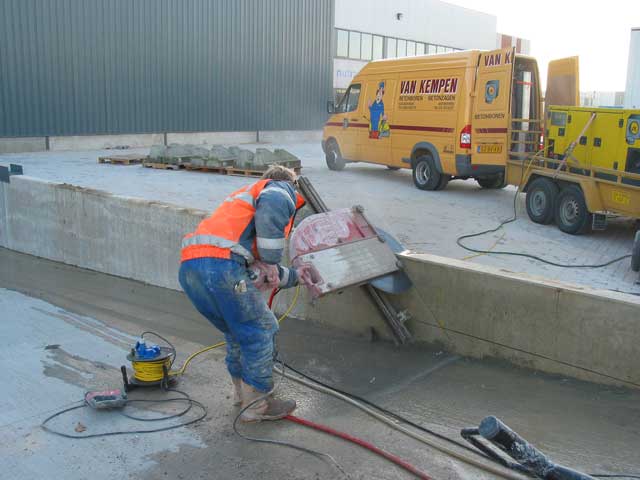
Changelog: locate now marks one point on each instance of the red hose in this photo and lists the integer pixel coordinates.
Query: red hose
(274, 292)
(369, 446)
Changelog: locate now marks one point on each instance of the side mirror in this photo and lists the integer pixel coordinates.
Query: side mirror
(331, 107)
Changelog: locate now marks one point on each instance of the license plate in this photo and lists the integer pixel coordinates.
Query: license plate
(490, 148)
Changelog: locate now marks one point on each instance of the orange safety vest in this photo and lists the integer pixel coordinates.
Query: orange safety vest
(219, 235)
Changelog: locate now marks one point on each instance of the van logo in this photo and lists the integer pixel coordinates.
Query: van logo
(491, 90)
(495, 59)
(429, 86)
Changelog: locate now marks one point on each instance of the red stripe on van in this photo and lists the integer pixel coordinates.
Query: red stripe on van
(422, 129)
(351, 124)
(333, 124)
(491, 130)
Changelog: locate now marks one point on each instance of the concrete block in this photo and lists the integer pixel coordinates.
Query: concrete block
(99, 142)
(157, 152)
(244, 158)
(212, 138)
(22, 144)
(291, 136)
(263, 158)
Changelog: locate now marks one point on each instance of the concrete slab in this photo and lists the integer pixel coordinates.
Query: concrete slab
(426, 222)
(87, 320)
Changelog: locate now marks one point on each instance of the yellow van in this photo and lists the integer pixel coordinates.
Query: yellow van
(449, 116)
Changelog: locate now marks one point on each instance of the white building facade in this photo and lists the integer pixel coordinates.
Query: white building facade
(375, 29)
(632, 91)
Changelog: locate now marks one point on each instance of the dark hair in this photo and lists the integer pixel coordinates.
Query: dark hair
(278, 172)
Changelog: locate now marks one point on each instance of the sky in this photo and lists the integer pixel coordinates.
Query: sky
(598, 32)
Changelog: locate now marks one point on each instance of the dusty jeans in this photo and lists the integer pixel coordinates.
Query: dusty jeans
(222, 291)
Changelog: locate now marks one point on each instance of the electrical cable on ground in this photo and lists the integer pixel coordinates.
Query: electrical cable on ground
(388, 421)
(280, 442)
(185, 398)
(521, 254)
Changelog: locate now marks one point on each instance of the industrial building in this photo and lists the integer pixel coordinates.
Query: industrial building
(96, 68)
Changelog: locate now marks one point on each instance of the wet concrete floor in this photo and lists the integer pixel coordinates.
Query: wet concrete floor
(74, 327)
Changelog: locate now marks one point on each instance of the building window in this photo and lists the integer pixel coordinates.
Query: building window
(354, 45)
(420, 49)
(411, 49)
(402, 48)
(343, 43)
(391, 48)
(366, 46)
(431, 49)
(349, 102)
(377, 47)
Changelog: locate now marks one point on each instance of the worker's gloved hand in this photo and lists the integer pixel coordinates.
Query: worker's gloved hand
(309, 277)
(265, 276)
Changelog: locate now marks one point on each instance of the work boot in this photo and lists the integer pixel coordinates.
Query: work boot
(237, 391)
(268, 408)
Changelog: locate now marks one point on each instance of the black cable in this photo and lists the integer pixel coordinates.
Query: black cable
(389, 413)
(520, 254)
(280, 442)
(618, 475)
(173, 349)
(185, 398)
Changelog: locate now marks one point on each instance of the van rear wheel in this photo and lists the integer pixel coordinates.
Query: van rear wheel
(635, 253)
(334, 157)
(425, 175)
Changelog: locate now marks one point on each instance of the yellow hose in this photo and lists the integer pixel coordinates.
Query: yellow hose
(152, 371)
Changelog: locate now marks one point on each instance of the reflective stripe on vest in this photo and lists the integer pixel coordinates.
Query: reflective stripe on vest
(218, 242)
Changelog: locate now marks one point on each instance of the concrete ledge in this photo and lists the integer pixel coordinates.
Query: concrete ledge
(468, 309)
(481, 311)
(22, 144)
(99, 142)
(121, 236)
(291, 136)
(212, 138)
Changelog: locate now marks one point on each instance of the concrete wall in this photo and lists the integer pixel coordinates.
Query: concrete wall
(121, 236)
(22, 144)
(469, 309)
(100, 142)
(481, 311)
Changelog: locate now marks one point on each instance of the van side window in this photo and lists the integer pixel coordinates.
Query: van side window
(349, 102)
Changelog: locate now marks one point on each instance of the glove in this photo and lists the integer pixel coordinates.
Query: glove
(310, 278)
(265, 276)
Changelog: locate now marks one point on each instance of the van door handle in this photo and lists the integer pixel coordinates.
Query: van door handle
(354, 119)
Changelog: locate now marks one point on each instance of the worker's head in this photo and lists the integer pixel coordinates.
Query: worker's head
(280, 173)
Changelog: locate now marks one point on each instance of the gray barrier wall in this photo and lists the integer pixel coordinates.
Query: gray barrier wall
(469, 309)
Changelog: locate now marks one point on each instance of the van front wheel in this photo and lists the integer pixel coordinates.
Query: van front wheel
(425, 175)
(334, 158)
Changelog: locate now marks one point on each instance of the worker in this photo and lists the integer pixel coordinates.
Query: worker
(226, 263)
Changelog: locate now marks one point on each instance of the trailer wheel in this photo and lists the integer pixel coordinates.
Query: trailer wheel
(635, 253)
(492, 182)
(542, 195)
(571, 213)
(425, 175)
(334, 157)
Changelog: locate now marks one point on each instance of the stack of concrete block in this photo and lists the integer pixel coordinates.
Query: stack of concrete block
(220, 157)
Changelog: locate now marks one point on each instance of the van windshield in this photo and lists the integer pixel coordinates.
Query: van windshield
(349, 102)
(525, 107)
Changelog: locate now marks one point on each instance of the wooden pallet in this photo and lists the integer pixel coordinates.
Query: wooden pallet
(131, 159)
(252, 173)
(162, 166)
(219, 170)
